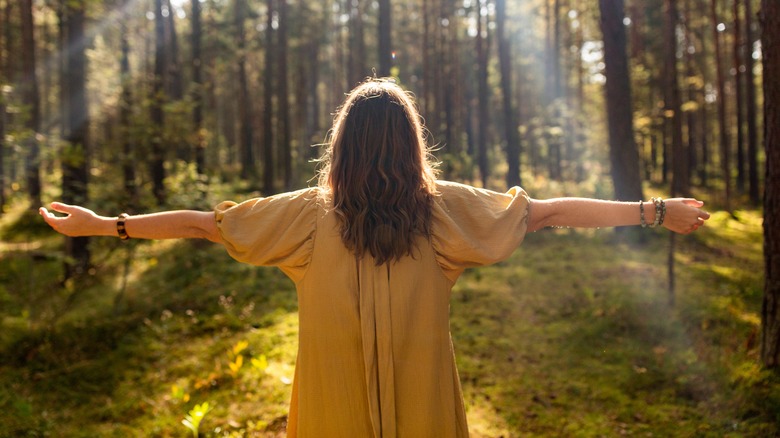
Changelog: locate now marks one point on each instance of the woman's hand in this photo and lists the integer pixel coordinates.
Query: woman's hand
(684, 215)
(79, 221)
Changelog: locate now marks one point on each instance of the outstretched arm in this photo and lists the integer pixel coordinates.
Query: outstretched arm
(179, 224)
(683, 215)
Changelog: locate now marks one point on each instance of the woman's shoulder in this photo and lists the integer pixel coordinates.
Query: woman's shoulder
(446, 189)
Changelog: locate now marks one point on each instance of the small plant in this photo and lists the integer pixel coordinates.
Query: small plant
(237, 359)
(235, 365)
(193, 419)
(260, 363)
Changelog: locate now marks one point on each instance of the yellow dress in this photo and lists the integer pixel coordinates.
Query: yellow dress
(375, 356)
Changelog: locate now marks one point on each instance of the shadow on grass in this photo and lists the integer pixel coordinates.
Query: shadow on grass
(104, 359)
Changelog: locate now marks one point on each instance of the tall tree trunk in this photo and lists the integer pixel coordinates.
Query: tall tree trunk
(158, 97)
(623, 152)
(482, 94)
(738, 66)
(554, 146)
(283, 99)
(75, 163)
(725, 149)
(2, 145)
(704, 171)
(245, 143)
(128, 152)
(692, 92)
(750, 95)
(510, 122)
(357, 44)
(385, 47)
(197, 92)
(31, 98)
(770, 311)
(680, 178)
(268, 103)
(175, 85)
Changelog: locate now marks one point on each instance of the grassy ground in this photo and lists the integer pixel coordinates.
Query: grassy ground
(572, 336)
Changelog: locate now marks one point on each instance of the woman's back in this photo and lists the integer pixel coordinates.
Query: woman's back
(375, 356)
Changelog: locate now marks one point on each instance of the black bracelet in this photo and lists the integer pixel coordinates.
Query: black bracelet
(121, 230)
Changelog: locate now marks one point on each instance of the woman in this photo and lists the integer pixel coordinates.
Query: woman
(374, 250)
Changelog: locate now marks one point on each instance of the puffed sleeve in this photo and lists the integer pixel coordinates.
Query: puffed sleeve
(475, 227)
(274, 231)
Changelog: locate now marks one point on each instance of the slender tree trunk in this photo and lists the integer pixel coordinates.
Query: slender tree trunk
(2, 147)
(128, 154)
(704, 168)
(554, 146)
(268, 92)
(245, 143)
(482, 95)
(175, 85)
(385, 47)
(75, 164)
(725, 149)
(197, 92)
(738, 66)
(283, 98)
(680, 178)
(158, 97)
(31, 98)
(750, 94)
(692, 92)
(770, 311)
(510, 122)
(623, 152)
(357, 52)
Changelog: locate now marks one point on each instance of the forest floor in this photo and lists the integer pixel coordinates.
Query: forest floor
(574, 335)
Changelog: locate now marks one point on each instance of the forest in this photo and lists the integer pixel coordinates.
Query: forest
(147, 105)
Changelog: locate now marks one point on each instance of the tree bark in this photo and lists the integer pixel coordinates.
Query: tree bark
(197, 92)
(750, 97)
(738, 87)
(75, 162)
(157, 165)
(385, 47)
(283, 99)
(679, 154)
(513, 177)
(268, 92)
(623, 152)
(770, 311)
(245, 143)
(31, 98)
(693, 130)
(2, 146)
(357, 52)
(482, 94)
(725, 148)
(128, 153)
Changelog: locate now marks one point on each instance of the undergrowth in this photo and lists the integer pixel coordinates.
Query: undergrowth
(572, 336)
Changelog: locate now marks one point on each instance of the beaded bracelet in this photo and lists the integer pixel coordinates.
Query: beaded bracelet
(657, 220)
(663, 212)
(121, 230)
(642, 214)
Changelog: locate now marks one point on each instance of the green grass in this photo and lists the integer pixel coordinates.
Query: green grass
(572, 336)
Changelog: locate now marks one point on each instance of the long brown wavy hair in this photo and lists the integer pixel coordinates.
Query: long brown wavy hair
(378, 171)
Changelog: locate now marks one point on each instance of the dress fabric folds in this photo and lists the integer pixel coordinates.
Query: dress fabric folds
(375, 355)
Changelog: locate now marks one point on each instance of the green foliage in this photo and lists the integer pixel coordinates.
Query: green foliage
(195, 416)
(571, 336)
